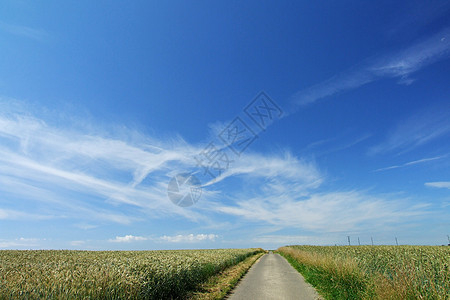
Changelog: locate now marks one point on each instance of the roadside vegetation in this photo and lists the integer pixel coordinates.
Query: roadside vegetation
(56, 274)
(374, 272)
(220, 285)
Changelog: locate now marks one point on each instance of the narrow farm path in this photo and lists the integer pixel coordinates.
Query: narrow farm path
(272, 277)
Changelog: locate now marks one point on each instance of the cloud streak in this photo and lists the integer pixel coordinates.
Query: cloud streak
(411, 163)
(180, 238)
(19, 243)
(10, 214)
(128, 239)
(59, 162)
(25, 31)
(328, 212)
(99, 178)
(190, 238)
(439, 184)
(399, 65)
(419, 129)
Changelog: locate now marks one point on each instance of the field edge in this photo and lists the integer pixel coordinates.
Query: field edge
(373, 272)
(309, 275)
(220, 285)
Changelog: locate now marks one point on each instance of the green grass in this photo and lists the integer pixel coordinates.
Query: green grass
(111, 274)
(374, 272)
(218, 286)
(327, 283)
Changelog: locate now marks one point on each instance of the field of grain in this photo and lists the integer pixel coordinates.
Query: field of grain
(111, 274)
(374, 272)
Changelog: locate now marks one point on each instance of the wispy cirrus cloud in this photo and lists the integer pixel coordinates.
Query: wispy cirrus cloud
(411, 163)
(77, 243)
(25, 31)
(11, 214)
(90, 177)
(399, 65)
(19, 243)
(439, 184)
(180, 238)
(323, 147)
(128, 239)
(410, 60)
(344, 81)
(39, 160)
(284, 166)
(419, 129)
(325, 212)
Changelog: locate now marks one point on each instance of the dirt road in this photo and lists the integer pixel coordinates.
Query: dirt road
(272, 277)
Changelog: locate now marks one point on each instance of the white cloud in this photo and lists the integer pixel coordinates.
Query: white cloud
(411, 163)
(419, 129)
(77, 243)
(95, 176)
(439, 184)
(11, 214)
(25, 31)
(281, 240)
(410, 60)
(325, 212)
(348, 80)
(322, 147)
(19, 243)
(37, 160)
(128, 239)
(398, 65)
(189, 238)
(173, 239)
(85, 226)
(285, 166)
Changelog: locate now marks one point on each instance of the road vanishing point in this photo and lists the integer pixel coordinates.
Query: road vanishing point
(272, 277)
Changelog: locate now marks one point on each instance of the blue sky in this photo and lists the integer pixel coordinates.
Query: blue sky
(102, 103)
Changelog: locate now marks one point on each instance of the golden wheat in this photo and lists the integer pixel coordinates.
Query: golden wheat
(110, 274)
(382, 272)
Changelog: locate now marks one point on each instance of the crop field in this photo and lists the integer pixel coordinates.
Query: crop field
(374, 272)
(111, 274)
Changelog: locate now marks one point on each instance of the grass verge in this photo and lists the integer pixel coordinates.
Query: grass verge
(219, 285)
(327, 281)
(331, 279)
(374, 272)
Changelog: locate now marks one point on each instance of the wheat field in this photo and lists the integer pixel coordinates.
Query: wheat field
(66, 274)
(374, 272)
